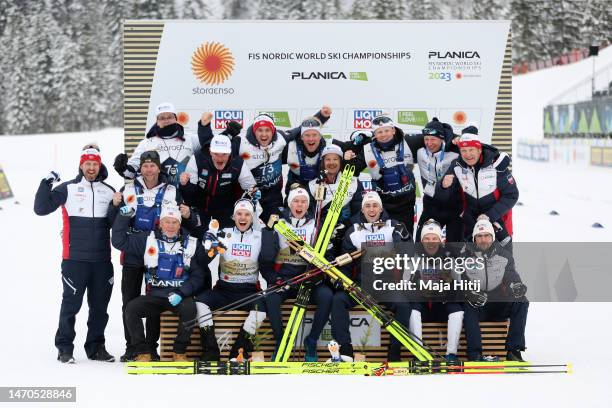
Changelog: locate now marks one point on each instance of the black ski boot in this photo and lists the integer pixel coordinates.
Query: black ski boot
(210, 347)
(242, 346)
(514, 355)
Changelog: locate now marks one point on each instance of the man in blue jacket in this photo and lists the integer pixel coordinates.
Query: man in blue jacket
(86, 256)
(174, 274)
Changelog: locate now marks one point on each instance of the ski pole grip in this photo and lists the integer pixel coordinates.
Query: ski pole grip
(343, 259)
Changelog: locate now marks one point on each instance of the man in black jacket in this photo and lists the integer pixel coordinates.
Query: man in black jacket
(481, 178)
(501, 294)
(213, 181)
(86, 256)
(174, 274)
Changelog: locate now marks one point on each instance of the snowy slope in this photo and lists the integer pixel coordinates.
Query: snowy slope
(556, 332)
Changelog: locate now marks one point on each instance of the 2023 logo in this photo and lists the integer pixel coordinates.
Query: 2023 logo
(445, 76)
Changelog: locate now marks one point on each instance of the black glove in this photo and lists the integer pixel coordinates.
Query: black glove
(476, 299)
(518, 289)
(337, 285)
(232, 128)
(53, 177)
(401, 230)
(120, 164)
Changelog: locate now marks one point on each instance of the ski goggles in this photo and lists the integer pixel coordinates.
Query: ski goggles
(382, 121)
(310, 124)
(150, 155)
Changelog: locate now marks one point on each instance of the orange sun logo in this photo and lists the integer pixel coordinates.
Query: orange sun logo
(212, 63)
(182, 118)
(459, 117)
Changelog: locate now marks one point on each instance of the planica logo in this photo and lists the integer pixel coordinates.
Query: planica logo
(318, 75)
(453, 54)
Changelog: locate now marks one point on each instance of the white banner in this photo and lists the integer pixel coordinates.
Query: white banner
(412, 70)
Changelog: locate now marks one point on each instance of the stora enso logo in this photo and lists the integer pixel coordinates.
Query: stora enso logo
(212, 63)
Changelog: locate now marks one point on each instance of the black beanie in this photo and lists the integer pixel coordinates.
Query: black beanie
(434, 128)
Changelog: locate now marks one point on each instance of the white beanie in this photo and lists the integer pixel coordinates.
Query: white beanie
(483, 226)
(296, 192)
(371, 196)
(431, 227)
(164, 107)
(244, 204)
(171, 211)
(332, 149)
(220, 144)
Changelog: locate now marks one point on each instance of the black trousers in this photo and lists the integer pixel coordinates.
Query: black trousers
(451, 219)
(97, 279)
(515, 311)
(131, 288)
(149, 306)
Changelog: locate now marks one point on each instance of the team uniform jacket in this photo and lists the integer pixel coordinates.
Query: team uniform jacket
(85, 221)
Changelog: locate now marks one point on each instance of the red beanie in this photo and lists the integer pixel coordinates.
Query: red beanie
(264, 121)
(90, 153)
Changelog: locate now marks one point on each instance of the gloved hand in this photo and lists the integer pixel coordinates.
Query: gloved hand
(518, 289)
(126, 211)
(337, 285)
(359, 137)
(53, 177)
(120, 163)
(232, 128)
(174, 299)
(476, 298)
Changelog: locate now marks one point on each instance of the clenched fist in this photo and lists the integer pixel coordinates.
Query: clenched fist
(206, 118)
(117, 198)
(326, 111)
(447, 181)
(184, 178)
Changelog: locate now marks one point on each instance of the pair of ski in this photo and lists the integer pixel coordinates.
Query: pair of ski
(324, 236)
(315, 256)
(363, 368)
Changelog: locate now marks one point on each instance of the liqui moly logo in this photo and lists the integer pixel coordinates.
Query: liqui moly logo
(362, 118)
(224, 116)
(241, 250)
(300, 232)
(375, 240)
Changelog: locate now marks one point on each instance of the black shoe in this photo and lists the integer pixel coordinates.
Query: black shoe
(127, 357)
(347, 350)
(395, 353)
(65, 358)
(514, 355)
(155, 355)
(102, 355)
(242, 346)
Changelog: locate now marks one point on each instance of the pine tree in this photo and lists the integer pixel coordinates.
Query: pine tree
(238, 9)
(363, 10)
(194, 9)
(486, 10)
(529, 35)
(272, 10)
(424, 10)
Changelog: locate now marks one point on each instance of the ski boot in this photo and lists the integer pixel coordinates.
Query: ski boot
(210, 347)
(310, 350)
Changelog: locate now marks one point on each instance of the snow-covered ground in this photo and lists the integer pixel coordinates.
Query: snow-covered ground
(556, 332)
